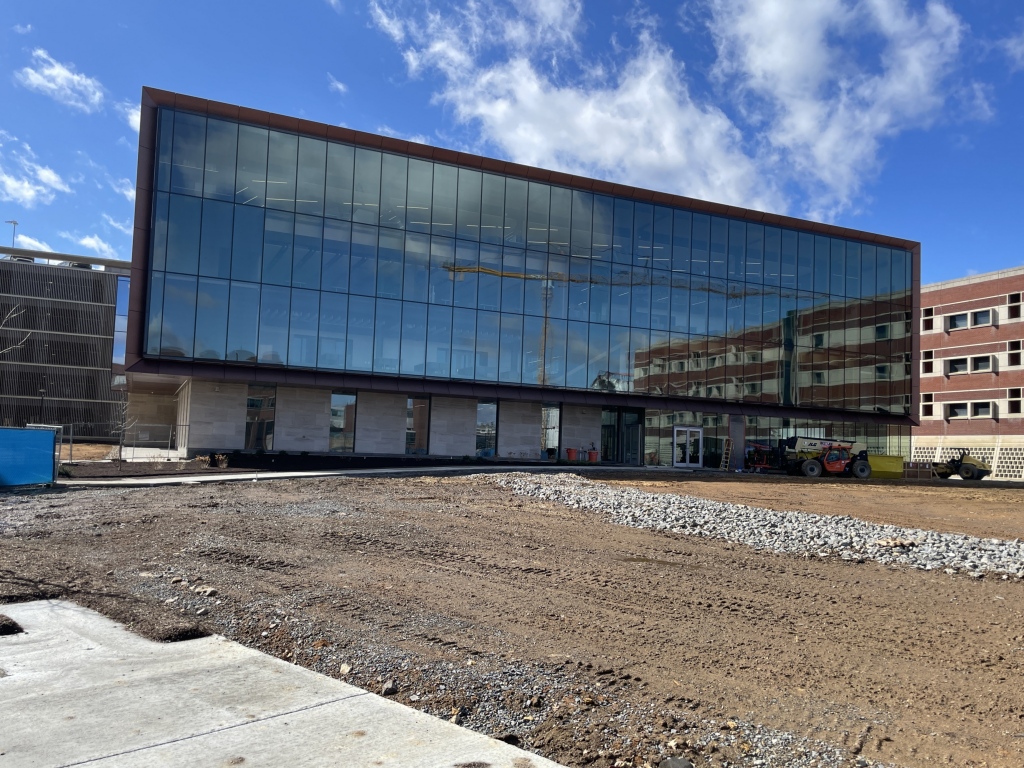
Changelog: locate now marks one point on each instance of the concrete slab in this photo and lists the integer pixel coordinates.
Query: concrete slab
(78, 688)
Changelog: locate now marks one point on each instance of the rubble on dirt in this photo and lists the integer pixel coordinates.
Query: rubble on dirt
(795, 533)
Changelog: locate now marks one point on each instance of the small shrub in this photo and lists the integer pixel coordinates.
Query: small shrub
(203, 461)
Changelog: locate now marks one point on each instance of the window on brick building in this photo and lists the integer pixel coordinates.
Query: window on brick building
(981, 363)
(955, 322)
(1013, 400)
(981, 317)
(957, 365)
(981, 410)
(956, 411)
(1013, 310)
(1013, 358)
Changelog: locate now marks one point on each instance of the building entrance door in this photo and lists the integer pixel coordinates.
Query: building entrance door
(687, 446)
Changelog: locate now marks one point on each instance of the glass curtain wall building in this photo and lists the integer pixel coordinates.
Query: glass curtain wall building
(274, 251)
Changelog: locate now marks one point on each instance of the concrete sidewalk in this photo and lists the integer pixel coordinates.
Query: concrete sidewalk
(78, 689)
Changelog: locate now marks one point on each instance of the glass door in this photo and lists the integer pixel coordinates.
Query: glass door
(688, 446)
(632, 438)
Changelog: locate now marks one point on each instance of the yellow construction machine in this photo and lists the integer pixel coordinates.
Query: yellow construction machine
(963, 464)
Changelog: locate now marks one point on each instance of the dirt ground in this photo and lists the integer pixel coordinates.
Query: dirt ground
(590, 643)
(86, 451)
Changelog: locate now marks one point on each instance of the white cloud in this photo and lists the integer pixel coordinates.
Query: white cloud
(61, 83)
(1013, 47)
(336, 5)
(23, 180)
(22, 29)
(24, 241)
(94, 243)
(124, 227)
(829, 80)
(131, 112)
(123, 187)
(333, 84)
(804, 92)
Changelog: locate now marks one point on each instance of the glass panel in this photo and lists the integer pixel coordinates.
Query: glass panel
(211, 318)
(899, 272)
(510, 357)
(273, 342)
(837, 285)
(160, 231)
(467, 257)
(281, 169)
(772, 255)
(243, 320)
(515, 212)
(681, 241)
(439, 341)
(389, 263)
(603, 227)
(679, 319)
(414, 338)
(468, 214)
(333, 324)
(183, 234)
(247, 244)
(278, 230)
(576, 356)
(487, 333)
(643, 234)
(853, 270)
(622, 278)
(215, 244)
(533, 351)
(363, 277)
(534, 293)
(489, 283)
(337, 245)
(417, 267)
(417, 426)
(221, 148)
(579, 289)
(163, 160)
(662, 247)
(305, 323)
(719, 245)
(883, 266)
(393, 183)
(868, 285)
(558, 225)
(620, 367)
(554, 353)
(699, 289)
(442, 218)
(155, 313)
(737, 250)
(700, 244)
(537, 230)
(340, 173)
(421, 182)
(755, 253)
(822, 246)
(387, 336)
(734, 310)
(622, 240)
(486, 428)
(513, 270)
(639, 356)
(261, 402)
(189, 148)
(640, 301)
(557, 287)
(597, 359)
(442, 259)
(463, 343)
(251, 174)
(343, 423)
(366, 190)
(179, 316)
(309, 190)
(600, 291)
(805, 262)
(308, 238)
(492, 209)
(660, 299)
(789, 259)
(582, 222)
(359, 352)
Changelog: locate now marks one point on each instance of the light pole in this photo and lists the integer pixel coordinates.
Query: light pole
(14, 234)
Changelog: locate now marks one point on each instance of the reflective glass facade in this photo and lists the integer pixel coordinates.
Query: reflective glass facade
(275, 249)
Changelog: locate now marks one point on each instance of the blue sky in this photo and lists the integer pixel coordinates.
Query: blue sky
(896, 116)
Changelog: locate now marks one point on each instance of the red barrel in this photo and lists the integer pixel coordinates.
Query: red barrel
(593, 456)
(570, 454)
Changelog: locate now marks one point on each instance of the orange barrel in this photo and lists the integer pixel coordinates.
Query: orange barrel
(593, 456)
(570, 454)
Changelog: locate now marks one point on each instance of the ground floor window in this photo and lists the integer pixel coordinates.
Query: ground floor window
(260, 405)
(486, 428)
(551, 417)
(343, 422)
(417, 424)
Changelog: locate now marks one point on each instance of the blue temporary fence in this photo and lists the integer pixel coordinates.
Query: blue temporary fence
(27, 456)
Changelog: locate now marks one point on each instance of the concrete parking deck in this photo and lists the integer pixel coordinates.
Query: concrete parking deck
(79, 689)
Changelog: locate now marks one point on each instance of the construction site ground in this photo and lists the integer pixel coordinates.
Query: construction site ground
(589, 643)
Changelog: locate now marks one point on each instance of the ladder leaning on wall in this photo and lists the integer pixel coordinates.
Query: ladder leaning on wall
(726, 454)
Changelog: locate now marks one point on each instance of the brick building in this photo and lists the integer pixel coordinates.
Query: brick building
(971, 372)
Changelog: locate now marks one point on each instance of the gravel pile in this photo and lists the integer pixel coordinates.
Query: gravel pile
(797, 533)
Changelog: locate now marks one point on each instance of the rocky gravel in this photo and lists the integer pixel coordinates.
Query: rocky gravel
(795, 533)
